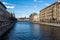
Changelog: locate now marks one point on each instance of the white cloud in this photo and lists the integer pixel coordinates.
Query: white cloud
(35, 0)
(40, 1)
(10, 7)
(35, 6)
(47, 4)
(22, 15)
(4, 2)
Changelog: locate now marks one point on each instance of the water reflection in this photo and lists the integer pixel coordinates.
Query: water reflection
(30, 31)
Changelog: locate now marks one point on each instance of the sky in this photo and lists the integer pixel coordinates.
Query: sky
(23, 8)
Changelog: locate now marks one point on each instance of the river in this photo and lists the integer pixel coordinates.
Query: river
(31, 31)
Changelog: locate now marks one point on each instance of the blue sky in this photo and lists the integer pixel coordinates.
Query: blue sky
(23, 8)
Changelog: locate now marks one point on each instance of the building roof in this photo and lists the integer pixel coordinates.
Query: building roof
(33, 14)
(48, 6)
(3, 5)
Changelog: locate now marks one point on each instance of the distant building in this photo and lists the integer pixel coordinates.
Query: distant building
(51, 13)
(36, 18)
(32, 16)
(23, 19)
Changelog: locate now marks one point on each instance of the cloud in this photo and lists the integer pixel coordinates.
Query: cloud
(40, 1)
(35, 0)
(10, 7)
(4, 2)
(22, 15)
(47, 4)
(35, 6)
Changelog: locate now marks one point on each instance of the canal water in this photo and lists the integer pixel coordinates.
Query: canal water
(30, 31)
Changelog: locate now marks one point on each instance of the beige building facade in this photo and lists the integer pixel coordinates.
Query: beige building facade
(50, 13)
(36, 18)
(32, 17)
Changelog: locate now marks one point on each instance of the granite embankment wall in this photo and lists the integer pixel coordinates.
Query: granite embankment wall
(50, 24)
(5, 28)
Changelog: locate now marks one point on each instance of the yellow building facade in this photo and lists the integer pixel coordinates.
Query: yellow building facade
(51, 13)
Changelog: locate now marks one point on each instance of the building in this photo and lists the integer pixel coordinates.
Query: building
(2, 12)
(5, 16)
(32, 16)
(36, 18)
(51, 13)
(23, 19)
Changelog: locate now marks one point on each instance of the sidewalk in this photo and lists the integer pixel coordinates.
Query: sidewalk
(50, 24)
